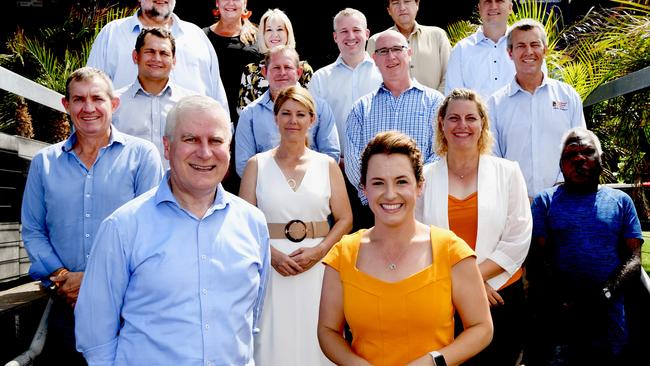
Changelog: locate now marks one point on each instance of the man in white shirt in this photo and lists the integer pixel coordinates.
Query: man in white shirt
(481, 62)
(531, 114)
(353, 74)
(197, 67)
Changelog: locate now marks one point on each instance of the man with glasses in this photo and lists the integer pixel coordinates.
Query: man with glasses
(430, 45)
(400, 103)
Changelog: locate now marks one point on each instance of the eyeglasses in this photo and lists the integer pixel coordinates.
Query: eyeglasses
(385, 50)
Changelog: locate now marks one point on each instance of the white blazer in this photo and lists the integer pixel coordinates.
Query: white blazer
(504, 216)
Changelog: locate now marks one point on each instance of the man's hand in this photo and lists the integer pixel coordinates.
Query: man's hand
(67, 284)
(307, 257)
(493, 296)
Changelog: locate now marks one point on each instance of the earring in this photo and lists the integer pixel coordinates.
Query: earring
(245, 14)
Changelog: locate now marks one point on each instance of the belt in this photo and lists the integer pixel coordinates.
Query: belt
(298, 230)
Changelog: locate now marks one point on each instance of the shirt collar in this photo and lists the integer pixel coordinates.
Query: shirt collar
(266, 101)
(136, 25)
(414, 85)
(417, 28)
(164, 194)
(515, 87)
(115, 137)
(366, 59)
(136, 88)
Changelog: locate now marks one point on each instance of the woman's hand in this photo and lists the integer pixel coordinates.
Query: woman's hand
(307, 257)
(284, 264)
(493, 296)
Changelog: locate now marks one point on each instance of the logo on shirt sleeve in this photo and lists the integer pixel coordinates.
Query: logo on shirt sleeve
(558, 104)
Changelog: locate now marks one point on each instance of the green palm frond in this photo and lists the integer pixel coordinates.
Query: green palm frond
(459, 30)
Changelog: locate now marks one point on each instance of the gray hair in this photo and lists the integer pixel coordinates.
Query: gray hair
(580, 133)
(189, 104)
(349, 12)
(524, 25)
(87, 73)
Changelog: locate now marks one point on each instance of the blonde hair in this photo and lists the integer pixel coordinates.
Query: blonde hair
(267, 17)
(485, 140)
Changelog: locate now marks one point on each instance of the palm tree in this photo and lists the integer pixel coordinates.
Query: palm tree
(50, 57)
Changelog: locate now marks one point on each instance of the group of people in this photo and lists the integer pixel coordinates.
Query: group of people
(156, 253)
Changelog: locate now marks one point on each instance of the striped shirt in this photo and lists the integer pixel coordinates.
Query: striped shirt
(412, 113)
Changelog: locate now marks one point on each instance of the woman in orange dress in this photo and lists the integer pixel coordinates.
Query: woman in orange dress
(398, 284)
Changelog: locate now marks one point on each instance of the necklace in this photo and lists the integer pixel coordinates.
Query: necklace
(292, 183)
(392, 264)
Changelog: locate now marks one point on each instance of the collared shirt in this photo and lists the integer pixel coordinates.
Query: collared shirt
(196, 68)
(164, 287)
(144, 115)
(478, 63)
(528, 128)
(64, 202)
(412, 113)
(257, 131)
(431, 50)
(341, 86)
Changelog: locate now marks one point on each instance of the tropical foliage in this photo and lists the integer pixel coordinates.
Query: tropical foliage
(603, 46)
(48, 58)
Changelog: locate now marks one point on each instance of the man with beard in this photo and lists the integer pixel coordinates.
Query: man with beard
(196, 69)
(586, 246)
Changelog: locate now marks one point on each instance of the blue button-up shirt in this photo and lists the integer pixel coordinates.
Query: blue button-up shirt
(144, 115)
(64, 202)
(412, 113)
(196, 68)
(341, 86)
(528, 128)
(257, 131)
(164, 287)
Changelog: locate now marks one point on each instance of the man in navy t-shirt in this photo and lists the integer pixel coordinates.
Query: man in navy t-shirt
(586, 245)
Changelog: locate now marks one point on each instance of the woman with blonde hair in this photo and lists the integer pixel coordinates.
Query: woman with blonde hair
(483, 200)
(399, 283)
(275, 30)
(297, 189)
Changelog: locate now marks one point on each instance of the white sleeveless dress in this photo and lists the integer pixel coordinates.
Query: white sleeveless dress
(288, 325)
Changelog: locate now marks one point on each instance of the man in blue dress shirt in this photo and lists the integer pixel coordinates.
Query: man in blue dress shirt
(197, 66)
(71, 187)
(145, 103)
(178, 275)
(257, 131)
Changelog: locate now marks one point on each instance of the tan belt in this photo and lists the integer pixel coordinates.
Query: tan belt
(297, 230)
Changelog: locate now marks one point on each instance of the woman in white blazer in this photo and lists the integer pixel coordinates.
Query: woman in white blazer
(483, 199)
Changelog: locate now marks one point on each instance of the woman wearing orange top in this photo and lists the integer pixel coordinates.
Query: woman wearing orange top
(483, 200)
(398, 284)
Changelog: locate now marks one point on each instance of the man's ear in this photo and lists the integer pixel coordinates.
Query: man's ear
(134, 56)
(264, 71)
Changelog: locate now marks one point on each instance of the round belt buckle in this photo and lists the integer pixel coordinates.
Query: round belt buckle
(291, 227)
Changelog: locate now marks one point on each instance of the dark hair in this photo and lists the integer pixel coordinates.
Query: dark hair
(87, 73)
(392, 142)
(387, 2)
(158, 32)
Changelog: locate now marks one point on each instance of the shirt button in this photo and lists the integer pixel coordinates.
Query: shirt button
(87, 215)
(204, 257)
(87, 194)
(87, 235)
(495, 61)
(208, 363)
(207, 326)
(87, 255)
(496, 78)
(89, 176)
(204, 291)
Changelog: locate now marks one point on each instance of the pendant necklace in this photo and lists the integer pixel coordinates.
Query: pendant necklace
(392, 264)
(292, 183)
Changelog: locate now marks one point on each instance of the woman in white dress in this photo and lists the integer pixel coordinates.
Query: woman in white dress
(298, 189)
(483, 200)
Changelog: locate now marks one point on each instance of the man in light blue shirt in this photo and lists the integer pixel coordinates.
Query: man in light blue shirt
(257, 131)
(480, 62)
(400, 103)
(531, 114)
(145, 103)
(178, 275)
(71, 187)
(352, 75)
(197, 67)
